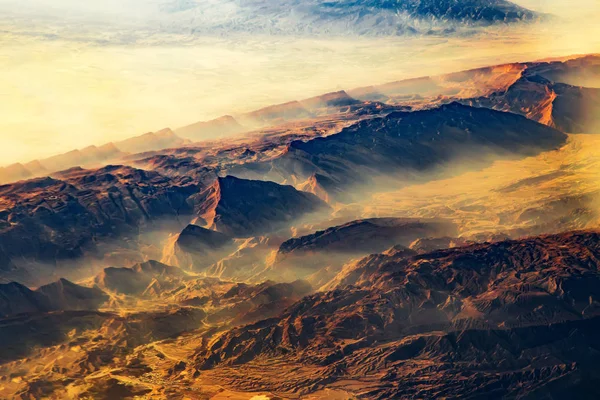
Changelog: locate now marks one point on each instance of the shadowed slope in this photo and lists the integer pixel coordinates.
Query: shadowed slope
(241, 208)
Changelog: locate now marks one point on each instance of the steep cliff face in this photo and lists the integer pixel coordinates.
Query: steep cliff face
(197, 248)
(196, 239)
(548, 93)
(243, 208)
(81, 211)
(213, 129)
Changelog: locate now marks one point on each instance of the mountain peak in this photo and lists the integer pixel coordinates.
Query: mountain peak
(332, 99)
(243, 208)
(151, 141)
(216, 128)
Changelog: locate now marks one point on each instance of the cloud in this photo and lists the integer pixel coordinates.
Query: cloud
(77, 73)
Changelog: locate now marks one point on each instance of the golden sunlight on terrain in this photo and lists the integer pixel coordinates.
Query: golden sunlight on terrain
(60, 93)
(435, 237)
(508, 196)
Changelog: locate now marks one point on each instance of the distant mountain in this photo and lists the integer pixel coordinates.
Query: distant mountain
(89, 156)
(214, 129)
(551, 92)
(373, 17)
(429, 89)
(18, 171)
(92, 156)
(275, 114)
(36, 168)
(14, 172)
(325, 104)
(151, 141)
(61, 295)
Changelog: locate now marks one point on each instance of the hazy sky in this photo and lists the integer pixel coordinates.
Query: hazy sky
(78, 73)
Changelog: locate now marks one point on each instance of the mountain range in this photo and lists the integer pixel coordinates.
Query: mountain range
(91, 156)
(430, 238)
(342, 17)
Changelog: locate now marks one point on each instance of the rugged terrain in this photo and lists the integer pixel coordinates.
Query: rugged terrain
(430, 238)
(500, 316)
